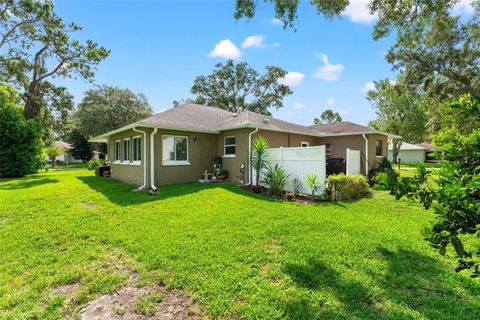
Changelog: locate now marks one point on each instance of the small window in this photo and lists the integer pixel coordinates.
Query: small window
(117, 150)
(230, 146)
(304, 144)
(126, 149)
(379, 148)
(175, 150)
(328, 151)
(137, 148)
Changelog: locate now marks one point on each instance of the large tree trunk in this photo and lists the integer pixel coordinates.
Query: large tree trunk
(32, 104)
(396, 144)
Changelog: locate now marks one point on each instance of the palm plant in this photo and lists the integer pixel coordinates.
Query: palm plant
(259, 156)
(313, 183)
(53, 152)
(275, 179)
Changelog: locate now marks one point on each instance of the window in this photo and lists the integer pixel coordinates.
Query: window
(175, 150)
(304, 144)
(379, 148)
(126, 150)
(137, 149)
(328, 151)
(230, 146)
(117, 150)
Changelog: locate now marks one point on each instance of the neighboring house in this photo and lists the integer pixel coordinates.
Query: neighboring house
(179, 144)
(67, 156)
(408, 153)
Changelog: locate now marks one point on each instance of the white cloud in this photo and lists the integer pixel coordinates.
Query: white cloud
(329, 72)
(330, 102)
(358, 12)
(464, 7)
(226, 49)
(275, 21)
(298, 105)
(293, 79)
(275, 44)
(368, 86)
(257, 41)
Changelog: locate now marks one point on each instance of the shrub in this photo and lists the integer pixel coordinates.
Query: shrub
(82, 149)
(94, 163)
(313, 183)
(351, 187)
(21, 142)
(297, 185)
(275, 179)
(289, 196)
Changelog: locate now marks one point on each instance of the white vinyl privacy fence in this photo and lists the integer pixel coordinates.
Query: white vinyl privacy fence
(298, 163)
(353, 162)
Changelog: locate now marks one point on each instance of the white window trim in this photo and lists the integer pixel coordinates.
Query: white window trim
(304, 142)
(129, 151)
(225, 155)
(175, 162)
(117, 160)
(136, 162)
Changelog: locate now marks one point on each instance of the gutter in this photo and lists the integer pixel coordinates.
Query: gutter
(250, 156)
(152, 160)
(144, 157)
(366, 153)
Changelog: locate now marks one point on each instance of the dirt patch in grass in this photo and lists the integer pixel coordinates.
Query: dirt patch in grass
(87, 205)
(137, 302)
(66, 289)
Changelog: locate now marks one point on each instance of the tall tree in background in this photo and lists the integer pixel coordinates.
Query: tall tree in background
(236, 87)
(399, 111)
(82, 149)
(105, 108)
(328, 117)
(36, 47)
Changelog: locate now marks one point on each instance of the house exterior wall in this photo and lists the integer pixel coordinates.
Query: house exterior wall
(408, 155)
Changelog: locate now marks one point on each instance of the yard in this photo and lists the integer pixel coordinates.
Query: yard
(236, 254)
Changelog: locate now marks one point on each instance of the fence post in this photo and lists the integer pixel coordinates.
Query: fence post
(281, 157)
(348, 161)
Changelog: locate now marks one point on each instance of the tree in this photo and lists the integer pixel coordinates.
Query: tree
(53, 152)
(328, 117)
(399, 111)
(105, 108)
(454, 194)
(236, 87)
(259, 157)
(36, 47)
(20, 139)
(82, 149)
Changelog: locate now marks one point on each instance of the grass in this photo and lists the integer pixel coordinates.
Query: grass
(428, 165)
(238, 255)
(76, 165)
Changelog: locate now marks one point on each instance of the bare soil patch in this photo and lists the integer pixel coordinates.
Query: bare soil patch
(87, 205)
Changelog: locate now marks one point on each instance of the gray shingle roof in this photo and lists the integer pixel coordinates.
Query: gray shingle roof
(341, 127)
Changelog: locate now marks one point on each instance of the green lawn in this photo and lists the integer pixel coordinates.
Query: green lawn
(237, 255)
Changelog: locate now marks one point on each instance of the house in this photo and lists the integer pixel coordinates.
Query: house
(67, 156)
(178, 145)
(419, 152)
(408, 153)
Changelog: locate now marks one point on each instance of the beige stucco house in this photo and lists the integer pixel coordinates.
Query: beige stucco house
(179, 144)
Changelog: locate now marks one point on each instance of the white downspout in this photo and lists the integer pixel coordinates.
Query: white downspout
(250, 156)
(144, 157)
(366, 153)
(152, 159)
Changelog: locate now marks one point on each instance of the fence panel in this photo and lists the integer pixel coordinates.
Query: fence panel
(353, 162)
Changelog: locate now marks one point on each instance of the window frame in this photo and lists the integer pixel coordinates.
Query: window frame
(134, 155)
(175, 162)
(304, 144)
(381, 148)
(116, 151)
(126, 160)
(225, 145)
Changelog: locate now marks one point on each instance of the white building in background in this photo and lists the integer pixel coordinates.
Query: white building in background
(408, 153)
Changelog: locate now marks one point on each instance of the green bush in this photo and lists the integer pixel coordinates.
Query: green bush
(351, 187)
(20, 139)
(94, 163)
(275, 178)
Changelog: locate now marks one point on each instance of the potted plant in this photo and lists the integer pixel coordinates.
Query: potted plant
(222, 174)
(217, 160)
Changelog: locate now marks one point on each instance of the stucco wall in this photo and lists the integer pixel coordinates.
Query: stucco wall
(409, 155)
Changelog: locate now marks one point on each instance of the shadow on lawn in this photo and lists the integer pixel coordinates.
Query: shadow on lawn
(125, 194)
(413, 282)
(24, 183)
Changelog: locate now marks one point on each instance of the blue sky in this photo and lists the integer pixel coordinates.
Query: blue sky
(158, 47)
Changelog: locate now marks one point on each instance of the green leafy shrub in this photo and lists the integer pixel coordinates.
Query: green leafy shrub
(275, 178)
(21, 142)
(313, 183)
(351, 187)
(94, 163)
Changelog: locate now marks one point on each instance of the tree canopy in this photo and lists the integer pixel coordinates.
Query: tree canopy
(399, 111)
(328, 117)
(105, 108)
(236, 87)
(36, 46)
